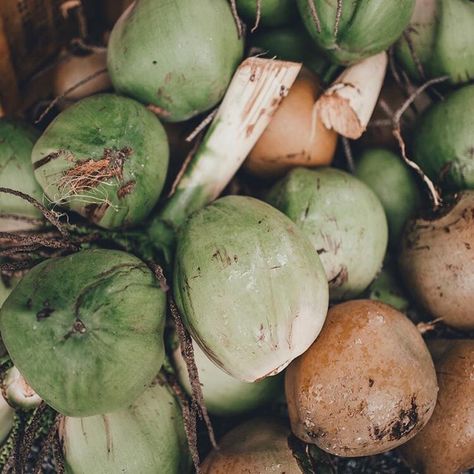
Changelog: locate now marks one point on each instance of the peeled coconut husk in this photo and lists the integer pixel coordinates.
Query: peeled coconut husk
(446, 444)
(75, 69)
(365, 386)
(296, 135)
(437, 262)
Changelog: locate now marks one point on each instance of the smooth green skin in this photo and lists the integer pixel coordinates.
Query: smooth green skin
(443, 142)
(106, 367)
(147, 438)
(385, 288)
(225, 395)
(439, 45)
(291, 44)
(83, 132)
(366, 27)
(251, 289)
(178, 55)
(16, 143)
(393, 183)
(344, 221)
(272, 12)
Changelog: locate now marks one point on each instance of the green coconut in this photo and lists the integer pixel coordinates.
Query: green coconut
(86, 331)
(147, 438)
(393, 183)
(251, 289)
(178, 56)
(443, 142)
(344, 221)
(16, 172)
(225, 395)
(439, 38)
(272, 12)
(365, 27)
(106, 158)
(290, 44)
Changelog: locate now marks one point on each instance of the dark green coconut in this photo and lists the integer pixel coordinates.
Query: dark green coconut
(443, 142)
(178, 56)
(365, 27)
(86, 331)
(105, 157)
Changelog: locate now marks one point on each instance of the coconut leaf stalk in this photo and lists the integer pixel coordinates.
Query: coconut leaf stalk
(256, 91)
(349, 31)
(146, 437)
(349, 102)
(86, 330)
(438, 41)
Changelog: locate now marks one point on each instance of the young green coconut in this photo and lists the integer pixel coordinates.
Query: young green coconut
(256, 446)
(16, 143)
(437, 262)
(443, 143)
(349, 31)
(225, 395)
(393, 183)
(366, 385)
(250, 287)
(86, 331)
(344, 221)
(446, 444)
(147, 438)
(267, 12)
(438, 41)
(106, 158)
(176, 56)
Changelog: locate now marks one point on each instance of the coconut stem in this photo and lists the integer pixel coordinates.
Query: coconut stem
(314, 15)
(68, 91)
(187, 352)
(207, 120)
(416, 59)
(338, 16)
(238, 21)
(434, 194)
(258, 14)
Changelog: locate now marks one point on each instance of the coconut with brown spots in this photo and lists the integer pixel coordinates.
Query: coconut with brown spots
(296, 136)
(366, 385)
(446, 444)
(437, 262)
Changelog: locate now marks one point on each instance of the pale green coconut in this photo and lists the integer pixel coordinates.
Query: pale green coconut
(441, 35)
(86, 331)
(443, 142)
(365, 27)
(225, 395)
(178, 56)
(393, 183)
(251, 289)
(272, 12)
(145, 438)
(344, 220)
(106, 158)
(16, 172)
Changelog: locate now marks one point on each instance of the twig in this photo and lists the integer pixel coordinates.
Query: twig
(393, 68)
(160, 275)
(187, 352)
(68, 91)
(348, 153)
(257, 15)
(338, 16)
(49, 215)
(435, 195)
(205, 122)
(314, 15)
(416, 59)
(423, 327)
(238, 22)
